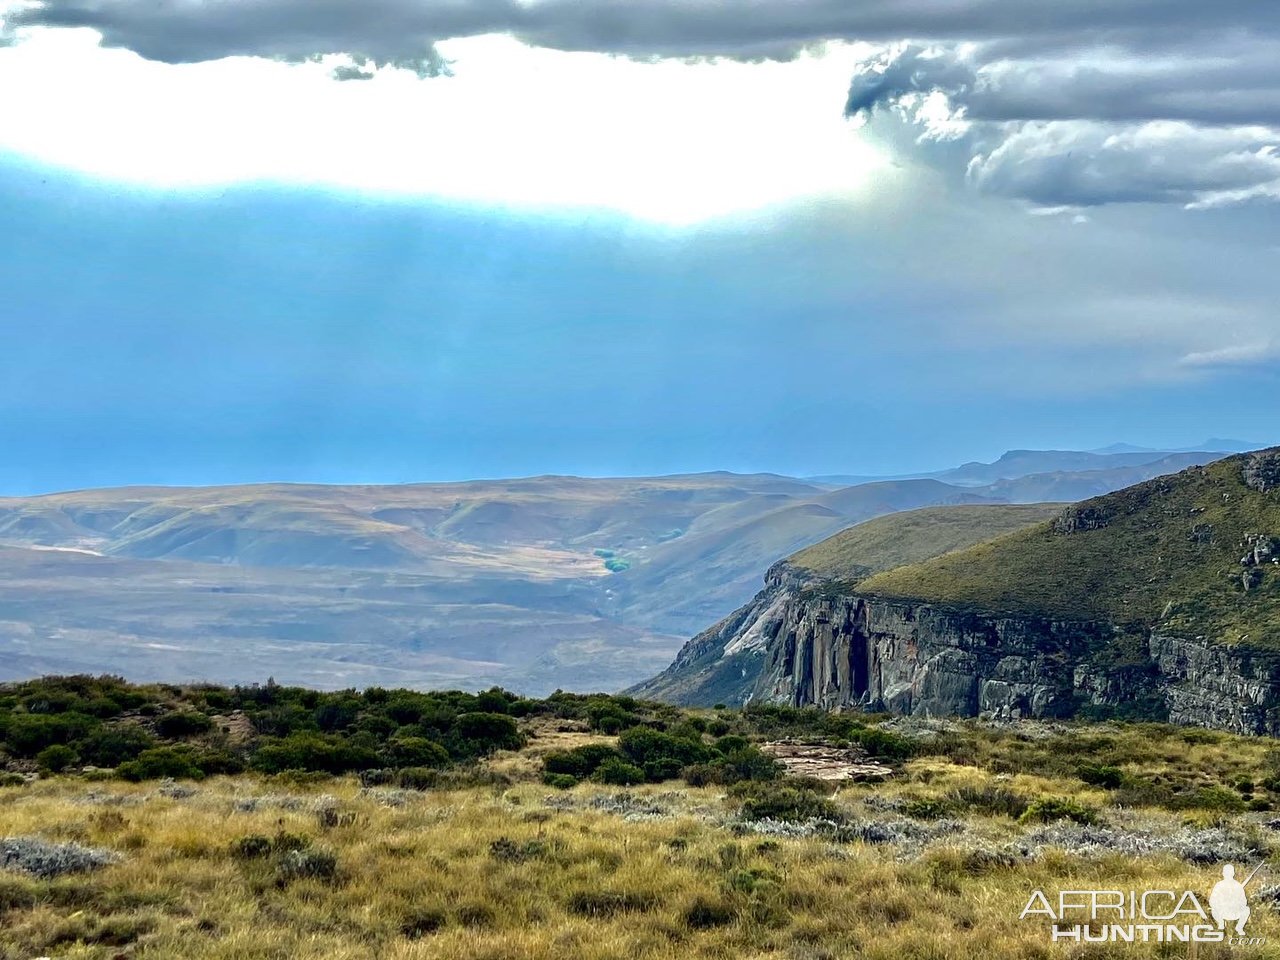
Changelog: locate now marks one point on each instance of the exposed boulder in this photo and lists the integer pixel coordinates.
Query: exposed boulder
(1262, 470)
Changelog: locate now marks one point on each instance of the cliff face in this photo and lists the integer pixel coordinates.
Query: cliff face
(1159, 601)
(837, 651)
(723, 663)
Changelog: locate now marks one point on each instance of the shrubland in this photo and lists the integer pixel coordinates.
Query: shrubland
(396, 824)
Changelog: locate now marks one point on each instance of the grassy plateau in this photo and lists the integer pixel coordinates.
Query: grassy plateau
(274, 822)
(1197, 553)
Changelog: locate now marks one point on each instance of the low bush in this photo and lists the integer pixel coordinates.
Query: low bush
(1049, 809)
(56, 758)
(307, 864)
(182, 723)
(775, 801)
(990, 799)
(160, 762)
(618, 772)
(1109, 778)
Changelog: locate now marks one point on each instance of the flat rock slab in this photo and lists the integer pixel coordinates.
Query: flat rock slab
(824, 762)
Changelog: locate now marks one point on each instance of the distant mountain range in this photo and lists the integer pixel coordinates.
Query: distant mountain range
(1021, 463)
(532, 583)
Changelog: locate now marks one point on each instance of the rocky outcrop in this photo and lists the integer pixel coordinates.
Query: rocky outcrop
(848, 651)
(722, 664)
(1262, 470)
(803, 643)
(1210, 685)
(839, 651)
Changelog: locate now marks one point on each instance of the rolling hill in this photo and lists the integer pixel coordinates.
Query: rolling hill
(1197, 553)
(535, 583)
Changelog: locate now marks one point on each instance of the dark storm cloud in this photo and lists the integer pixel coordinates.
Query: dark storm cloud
(180, 31)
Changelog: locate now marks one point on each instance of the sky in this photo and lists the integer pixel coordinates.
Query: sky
(393, 240)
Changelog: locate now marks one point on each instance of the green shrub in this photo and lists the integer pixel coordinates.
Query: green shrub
(580, 762)
(182, 723)
(111, 746)
(417, 778)
(776, 801)
(27, 734)
(483, 733)
(992, 800)
(1109, 778)
(160, 762)
(1049, 809)
(1211, 798)
(619, 773)
(56, 758)
(926, 808)
(643, 745)
(318, 752)
(882, 744)
(416, 752)
(662, 769)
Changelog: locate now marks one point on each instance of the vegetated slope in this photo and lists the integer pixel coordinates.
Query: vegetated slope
(912, 536)
(716, 563)
(722, 664)
(535, 583)
(1197, 552)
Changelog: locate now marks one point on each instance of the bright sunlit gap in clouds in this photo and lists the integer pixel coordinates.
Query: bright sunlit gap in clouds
(671, 142)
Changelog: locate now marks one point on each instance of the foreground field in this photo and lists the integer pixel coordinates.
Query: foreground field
(490, 863)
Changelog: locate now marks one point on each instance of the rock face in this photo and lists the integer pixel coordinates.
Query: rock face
(803, 643)
(722, 664)
(848, 651)
(1223, 687)
(916, 659)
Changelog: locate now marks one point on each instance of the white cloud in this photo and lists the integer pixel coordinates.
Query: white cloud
(1244, 354)
(670, 141)
(1084, 126)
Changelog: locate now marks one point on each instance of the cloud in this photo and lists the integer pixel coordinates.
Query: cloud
(1240, 355)
(181, 31)
(1076, 163)
(1063, 103)
(1082, 127)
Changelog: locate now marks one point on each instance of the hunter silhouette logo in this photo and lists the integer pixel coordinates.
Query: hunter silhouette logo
(1149, 916)
(1228, 903)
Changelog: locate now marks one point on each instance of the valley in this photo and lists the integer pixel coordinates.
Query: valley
(534, 584)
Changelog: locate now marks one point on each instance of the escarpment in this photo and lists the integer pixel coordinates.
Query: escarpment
(1161, 601)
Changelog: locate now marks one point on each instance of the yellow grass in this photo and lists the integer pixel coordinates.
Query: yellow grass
(421, 880)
